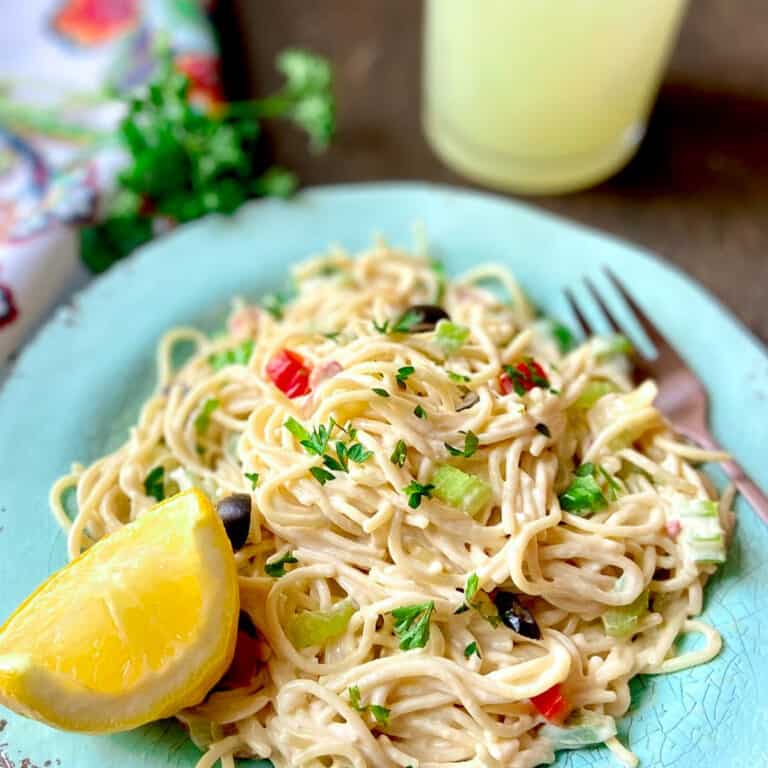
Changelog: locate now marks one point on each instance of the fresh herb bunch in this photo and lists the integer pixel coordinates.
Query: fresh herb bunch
(185, 163)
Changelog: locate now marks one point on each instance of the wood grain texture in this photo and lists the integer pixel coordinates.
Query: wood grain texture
(696, 193)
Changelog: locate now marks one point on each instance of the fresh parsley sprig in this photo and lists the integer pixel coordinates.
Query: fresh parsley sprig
(380, 714)
(472, 650)
(403, 324)
(317, 441)
(471, 442)
(399, 454)
(403, 374)
(276, 568)
(479, 601)
(412, 624)
(237, 355)
(154, 483)
(416, 492)
(184, 163)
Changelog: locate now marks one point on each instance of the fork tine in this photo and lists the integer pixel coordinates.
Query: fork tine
(582, 321)
(650, 329)
(603, 308)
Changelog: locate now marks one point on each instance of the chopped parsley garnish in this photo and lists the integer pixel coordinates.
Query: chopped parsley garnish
(412, 624)
(349, 429)
(154, 483)
(340, 464)
(543, 429)
(583, 496)
(470, 446)
(403, 374)
(399, 454)
(380, 392)
(525, 376)
(354, 698)
(203, 419)
(472, 650)
(417, 491)
(408, 322)
(470, 590)
(276, 569)
(321, 475)
(419, 412)
(358, 453)
(275, 303)
(380, 714)
(253, 477)
(333, 335)
(563, 336)
(479, 601)
(473, 582)
(316, 444)
(238, 355)
(457, 378)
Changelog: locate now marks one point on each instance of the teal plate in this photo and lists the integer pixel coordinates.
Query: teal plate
(78, 386)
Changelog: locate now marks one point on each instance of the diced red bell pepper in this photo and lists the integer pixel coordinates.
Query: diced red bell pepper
(289, 372)
(552, 704)
(245, 663)
(522, 377)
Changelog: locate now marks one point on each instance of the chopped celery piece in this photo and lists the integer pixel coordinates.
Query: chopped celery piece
(608, 347)
(699, 508)
(468, 493)
(703, 538)
(593, 392)
(623, 619)
(451, 337)
(580, 730)
(318, 627)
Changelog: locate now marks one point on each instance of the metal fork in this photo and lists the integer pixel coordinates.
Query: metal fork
(682, 397)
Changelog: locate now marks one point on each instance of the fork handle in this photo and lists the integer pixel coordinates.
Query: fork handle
(747, 487)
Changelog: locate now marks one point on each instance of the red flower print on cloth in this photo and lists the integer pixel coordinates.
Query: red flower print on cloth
(8, 309)
(95, 22)
(202, 69)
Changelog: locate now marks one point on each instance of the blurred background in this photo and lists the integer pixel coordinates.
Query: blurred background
(121, 119)
(696, 193)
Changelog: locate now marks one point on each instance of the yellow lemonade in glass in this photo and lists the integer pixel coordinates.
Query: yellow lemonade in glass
(543, 96)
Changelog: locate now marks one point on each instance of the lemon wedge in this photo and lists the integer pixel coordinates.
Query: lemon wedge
(140, 626)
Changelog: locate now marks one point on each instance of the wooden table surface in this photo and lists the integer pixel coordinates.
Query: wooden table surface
(696, 192)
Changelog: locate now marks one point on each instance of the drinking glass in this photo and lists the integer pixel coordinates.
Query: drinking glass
(542, 96)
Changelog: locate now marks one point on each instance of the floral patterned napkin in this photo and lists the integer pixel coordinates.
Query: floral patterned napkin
(65, 68)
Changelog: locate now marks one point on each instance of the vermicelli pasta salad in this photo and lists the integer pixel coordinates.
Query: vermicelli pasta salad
(459, 533)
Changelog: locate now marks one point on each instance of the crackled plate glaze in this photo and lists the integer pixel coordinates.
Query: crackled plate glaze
(78, 386)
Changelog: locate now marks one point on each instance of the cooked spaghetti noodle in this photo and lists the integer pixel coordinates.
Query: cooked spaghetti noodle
(460, 692)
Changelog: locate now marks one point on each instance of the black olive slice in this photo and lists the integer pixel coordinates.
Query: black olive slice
(235, 513)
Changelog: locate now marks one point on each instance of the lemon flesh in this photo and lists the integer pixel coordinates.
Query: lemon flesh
(140, 626)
